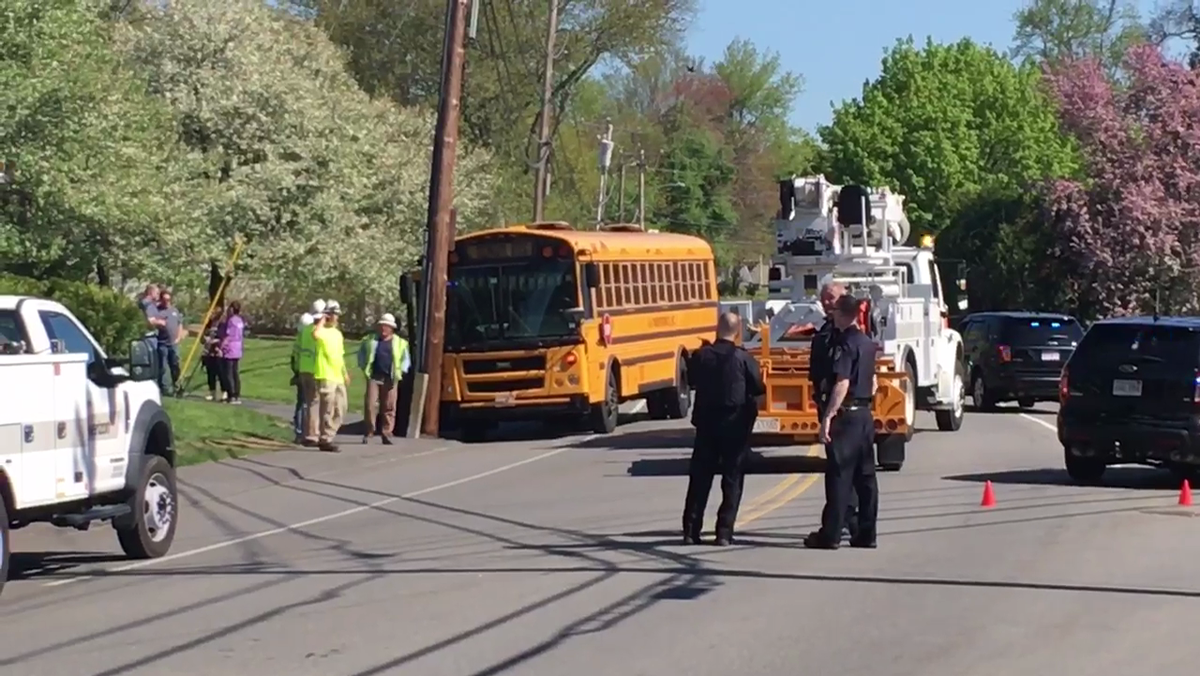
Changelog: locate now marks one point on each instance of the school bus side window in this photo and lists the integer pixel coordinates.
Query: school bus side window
(707, 281)
(626, 289)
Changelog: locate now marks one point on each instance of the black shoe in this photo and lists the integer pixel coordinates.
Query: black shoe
(387, 441)
(862, 543)
(329, 448)
(817, 540)
(692, 539)
(723, 540)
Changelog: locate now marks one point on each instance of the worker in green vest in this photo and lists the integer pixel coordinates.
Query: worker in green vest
(383, 358)
(305, 350)
(303, 357)
(330, 375)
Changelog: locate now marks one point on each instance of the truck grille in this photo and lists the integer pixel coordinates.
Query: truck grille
(527, 367)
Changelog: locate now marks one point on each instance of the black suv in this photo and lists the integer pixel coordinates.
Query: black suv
(1016, 356)
(1131, 394)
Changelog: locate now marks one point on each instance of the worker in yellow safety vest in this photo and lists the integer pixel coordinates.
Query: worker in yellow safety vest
(305, 350)
(303, 356)
(330, 375)
(383, 358)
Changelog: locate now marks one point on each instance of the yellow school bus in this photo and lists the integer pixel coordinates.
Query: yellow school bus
(544, 321)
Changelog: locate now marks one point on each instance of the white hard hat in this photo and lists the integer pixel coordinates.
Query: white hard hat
(387, 320)
(306, 319)
(332, 308)
(318, 307)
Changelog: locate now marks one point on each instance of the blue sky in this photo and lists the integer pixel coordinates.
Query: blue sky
(836, 46)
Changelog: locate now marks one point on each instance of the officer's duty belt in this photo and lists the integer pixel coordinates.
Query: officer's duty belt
(855, 404)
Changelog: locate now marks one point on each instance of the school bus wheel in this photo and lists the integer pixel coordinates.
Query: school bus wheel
(604, 414)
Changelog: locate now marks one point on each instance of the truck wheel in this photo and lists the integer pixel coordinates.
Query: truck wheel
(952, 420)
(890, 451)
(678, 399)
(4, 546)
(910, 402)
(1026, 403)
(149, 531)
(604, 415)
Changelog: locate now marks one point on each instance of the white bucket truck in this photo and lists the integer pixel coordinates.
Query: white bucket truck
(82, 438)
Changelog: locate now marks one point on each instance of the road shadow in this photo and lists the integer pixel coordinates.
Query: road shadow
(563, 428)
(680, 438)
(1002, 409)
(33, 565)
(1136, 478)
(757, 463)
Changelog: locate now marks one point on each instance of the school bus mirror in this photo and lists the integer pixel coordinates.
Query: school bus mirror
(405, 289)
(575, 314)
(591, 275)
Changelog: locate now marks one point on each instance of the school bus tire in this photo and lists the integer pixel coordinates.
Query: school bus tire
(678, 399)
(604, 414)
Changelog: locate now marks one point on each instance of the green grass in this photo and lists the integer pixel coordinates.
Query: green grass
(205, 431)
(266, 371)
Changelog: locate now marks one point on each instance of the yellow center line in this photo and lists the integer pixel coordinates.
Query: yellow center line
(787, 490)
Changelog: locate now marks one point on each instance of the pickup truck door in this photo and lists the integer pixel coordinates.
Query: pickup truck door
(97, 432)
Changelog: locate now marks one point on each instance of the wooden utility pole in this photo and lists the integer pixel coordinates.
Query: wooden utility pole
(440, 236)
(542, 167)
(642, 187)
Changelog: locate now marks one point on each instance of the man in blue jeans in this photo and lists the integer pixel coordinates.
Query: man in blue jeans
(170, 333)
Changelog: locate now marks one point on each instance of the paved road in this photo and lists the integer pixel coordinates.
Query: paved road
(551, 557)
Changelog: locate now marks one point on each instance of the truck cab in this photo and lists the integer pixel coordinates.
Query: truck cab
(83, 437)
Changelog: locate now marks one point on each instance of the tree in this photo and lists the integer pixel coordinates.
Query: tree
(1130, 232)
(945, 124)
(1056, 30)
(395, 49)
(96, 188)
(327, 187)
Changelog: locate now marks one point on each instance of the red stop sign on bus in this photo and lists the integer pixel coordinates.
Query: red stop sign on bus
(606, 332)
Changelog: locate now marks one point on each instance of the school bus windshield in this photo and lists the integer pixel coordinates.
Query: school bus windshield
(520, 302)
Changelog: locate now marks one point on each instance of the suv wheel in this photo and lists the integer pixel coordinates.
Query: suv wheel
(1083, 470)
(981, 399)
(4, 547)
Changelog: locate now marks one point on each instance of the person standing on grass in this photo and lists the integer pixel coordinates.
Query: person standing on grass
(302, 349)
(211, 358)
(331, 376)
(231, 332)
(383, 358)
(170, 334)
(307, 365)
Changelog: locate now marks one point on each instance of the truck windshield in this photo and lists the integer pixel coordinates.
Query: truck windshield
(511, 302)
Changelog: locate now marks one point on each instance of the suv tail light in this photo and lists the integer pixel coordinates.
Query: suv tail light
(1005, 353)
(1064, 387)
(1196, 389)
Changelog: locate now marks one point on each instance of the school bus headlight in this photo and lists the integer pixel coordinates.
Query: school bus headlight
(573, 380)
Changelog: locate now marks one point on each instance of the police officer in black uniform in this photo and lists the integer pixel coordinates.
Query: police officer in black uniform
(820, 374)
(727, 381)
(848, 430)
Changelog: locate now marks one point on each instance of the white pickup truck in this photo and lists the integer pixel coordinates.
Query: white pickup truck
(83, 438)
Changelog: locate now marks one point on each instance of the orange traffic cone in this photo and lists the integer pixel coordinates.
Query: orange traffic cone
(989, 497)
(1185, 494)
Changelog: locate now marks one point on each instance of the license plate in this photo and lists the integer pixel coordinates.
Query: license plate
(1127, 388)
(1050, 356)
(506, 399)
(762, 425)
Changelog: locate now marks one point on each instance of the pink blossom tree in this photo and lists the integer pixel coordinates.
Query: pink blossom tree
(1128, 233)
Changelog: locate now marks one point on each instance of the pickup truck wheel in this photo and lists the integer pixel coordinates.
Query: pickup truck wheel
(149, 531)
(4, 546)
(952, 420)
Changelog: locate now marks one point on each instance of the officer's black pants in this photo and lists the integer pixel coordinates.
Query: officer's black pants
(719, 448)
(850, 465)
